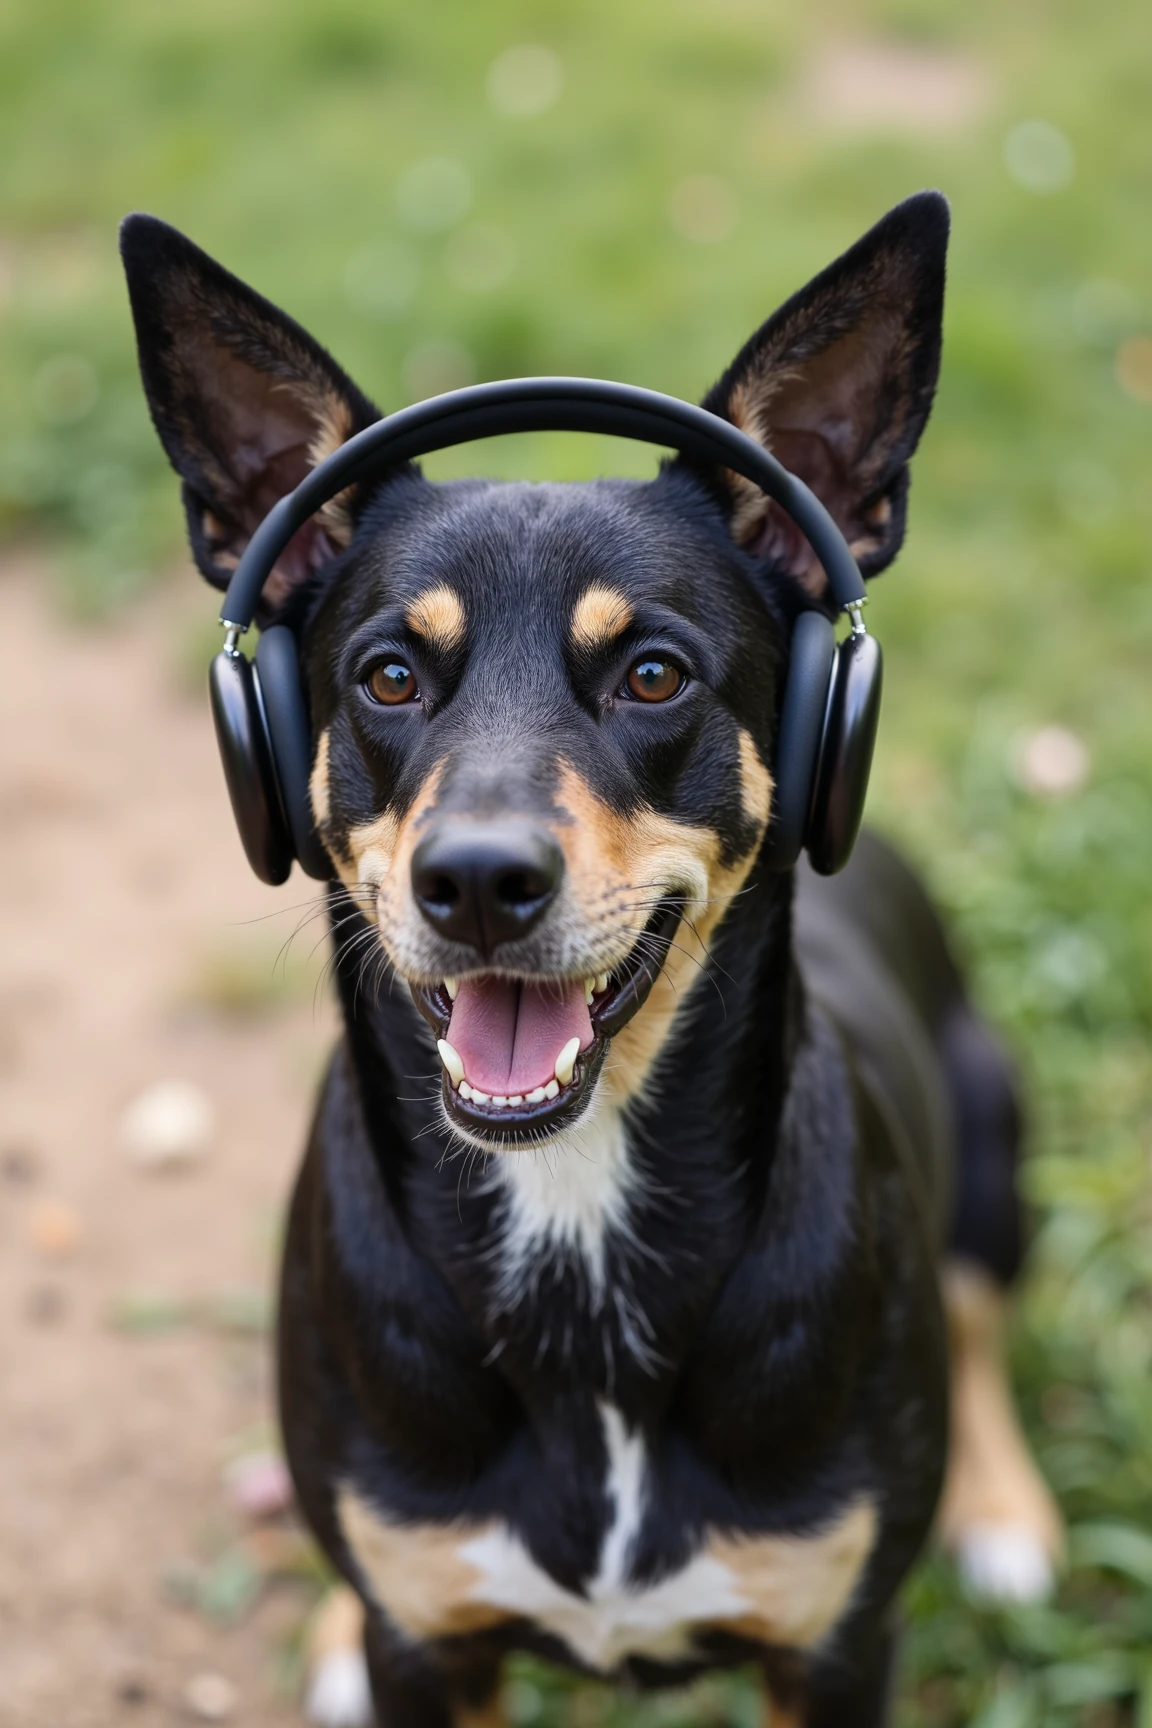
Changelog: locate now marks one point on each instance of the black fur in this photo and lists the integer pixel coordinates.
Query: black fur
(770, 1321)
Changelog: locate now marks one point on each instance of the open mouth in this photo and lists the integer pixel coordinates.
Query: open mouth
(523, 1054)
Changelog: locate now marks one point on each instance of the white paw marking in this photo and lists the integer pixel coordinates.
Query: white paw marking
(338, 1693)
(1004, 1563)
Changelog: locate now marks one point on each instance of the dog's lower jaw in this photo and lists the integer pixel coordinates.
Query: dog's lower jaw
(557, 1103)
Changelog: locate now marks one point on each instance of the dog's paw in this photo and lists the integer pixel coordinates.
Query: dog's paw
(1005, 1563)
(338, 1692)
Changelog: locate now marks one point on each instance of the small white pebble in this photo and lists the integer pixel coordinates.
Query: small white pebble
(210, 1697)
(1050, 762)
(169, 1125)
(259, 1484)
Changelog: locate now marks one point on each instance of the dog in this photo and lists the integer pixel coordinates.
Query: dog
(648, 1260)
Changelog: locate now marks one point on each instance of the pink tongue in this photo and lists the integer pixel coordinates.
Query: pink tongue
(508, 1033)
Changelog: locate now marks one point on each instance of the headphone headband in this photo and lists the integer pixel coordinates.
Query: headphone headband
(539, 405)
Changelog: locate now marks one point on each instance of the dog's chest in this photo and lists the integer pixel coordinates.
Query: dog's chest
(437, 1581)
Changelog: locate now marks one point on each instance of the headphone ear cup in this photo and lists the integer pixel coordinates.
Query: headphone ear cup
(846, 753)
(290, 734)
(803, 711)
(246, 752)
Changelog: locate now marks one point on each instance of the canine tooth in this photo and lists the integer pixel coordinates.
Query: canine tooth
(535, 1096)
(464, 1089)
(589, 989)
(516, 1099)
(601, 981)
(451, 985)
(499, 1100)
(480, 1097)
(566, 1061)
(552, 1090)
(451, 1060)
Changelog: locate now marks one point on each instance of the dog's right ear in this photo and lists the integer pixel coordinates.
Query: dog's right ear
(244, 401)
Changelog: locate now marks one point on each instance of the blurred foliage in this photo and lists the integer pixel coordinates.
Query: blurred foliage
(364, 164)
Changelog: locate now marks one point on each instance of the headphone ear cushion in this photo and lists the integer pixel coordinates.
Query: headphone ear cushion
(245, 750)
(803, 710)
(290, 734)
(846, 753)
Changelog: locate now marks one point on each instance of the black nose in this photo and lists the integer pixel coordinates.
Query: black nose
(486, 883)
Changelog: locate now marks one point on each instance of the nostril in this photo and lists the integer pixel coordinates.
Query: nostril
(520, 887)
(440, 890)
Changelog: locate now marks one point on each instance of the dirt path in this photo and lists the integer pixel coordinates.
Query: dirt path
(132, 1366)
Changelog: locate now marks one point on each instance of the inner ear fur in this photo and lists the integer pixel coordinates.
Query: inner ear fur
(838, 384)
(245, 402)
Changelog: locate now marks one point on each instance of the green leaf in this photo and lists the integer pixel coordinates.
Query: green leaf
(1143, 1718)
(1014, 1706)
(1117, 1547)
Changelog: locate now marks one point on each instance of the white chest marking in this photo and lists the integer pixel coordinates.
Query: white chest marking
(614, 1619)
(568, 1193)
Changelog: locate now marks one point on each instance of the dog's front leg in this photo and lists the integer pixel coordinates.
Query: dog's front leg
(362, 1676)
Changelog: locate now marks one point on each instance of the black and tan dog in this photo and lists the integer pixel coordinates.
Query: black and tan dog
(611, 1320)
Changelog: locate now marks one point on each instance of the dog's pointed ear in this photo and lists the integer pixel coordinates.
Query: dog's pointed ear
(838, 384)
(244, 401)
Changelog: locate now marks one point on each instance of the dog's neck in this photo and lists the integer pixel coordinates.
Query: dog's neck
(592, 1258)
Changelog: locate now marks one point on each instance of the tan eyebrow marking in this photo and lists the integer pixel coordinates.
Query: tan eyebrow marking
(600, 614)
(438, 615)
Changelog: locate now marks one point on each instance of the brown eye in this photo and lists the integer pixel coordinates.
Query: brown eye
(391, 683)
(654, 680)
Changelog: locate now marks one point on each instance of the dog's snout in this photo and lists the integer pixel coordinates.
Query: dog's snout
(486, 883)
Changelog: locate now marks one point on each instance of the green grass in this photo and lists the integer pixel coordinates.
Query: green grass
(276, 133)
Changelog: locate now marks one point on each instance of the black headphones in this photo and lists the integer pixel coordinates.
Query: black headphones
(830, 704)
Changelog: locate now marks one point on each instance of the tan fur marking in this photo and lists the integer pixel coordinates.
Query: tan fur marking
(438, 616)
(334, 426)
(318, 782)
(618, 866)
(487, 1715)
(748, 410)
(600, 614)
(801, 1585)
(371, 849)
(782, 1717)
(415, 1571)
(336, 1625)
(755, 782)
(992, 1478)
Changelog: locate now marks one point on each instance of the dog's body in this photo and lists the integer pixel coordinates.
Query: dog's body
(632, 1353)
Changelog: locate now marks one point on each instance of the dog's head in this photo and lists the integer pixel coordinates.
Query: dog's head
(544, 715)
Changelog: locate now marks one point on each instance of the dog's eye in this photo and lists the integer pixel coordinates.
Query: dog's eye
(653, 680)
(391, 683)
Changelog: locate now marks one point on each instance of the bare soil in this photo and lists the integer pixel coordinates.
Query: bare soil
(132, 1361)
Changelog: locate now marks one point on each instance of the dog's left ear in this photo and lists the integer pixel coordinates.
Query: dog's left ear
(838, 384)
(245, 403)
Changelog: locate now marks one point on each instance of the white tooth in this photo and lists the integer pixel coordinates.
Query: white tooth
(566, 1061)
(517, 1099)
(464, 1089)
(535, 1096)
(552, 1090)
(451, 985)
(480, 1097)
(451, 1060)
(589, 990)
(500, 1101)
(601, 981)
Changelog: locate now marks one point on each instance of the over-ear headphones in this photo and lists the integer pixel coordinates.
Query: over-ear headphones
(830, 704)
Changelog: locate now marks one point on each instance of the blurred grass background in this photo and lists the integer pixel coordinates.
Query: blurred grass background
(461, 191)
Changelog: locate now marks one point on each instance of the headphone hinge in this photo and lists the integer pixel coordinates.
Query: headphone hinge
(853, 609)
(232, 635)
